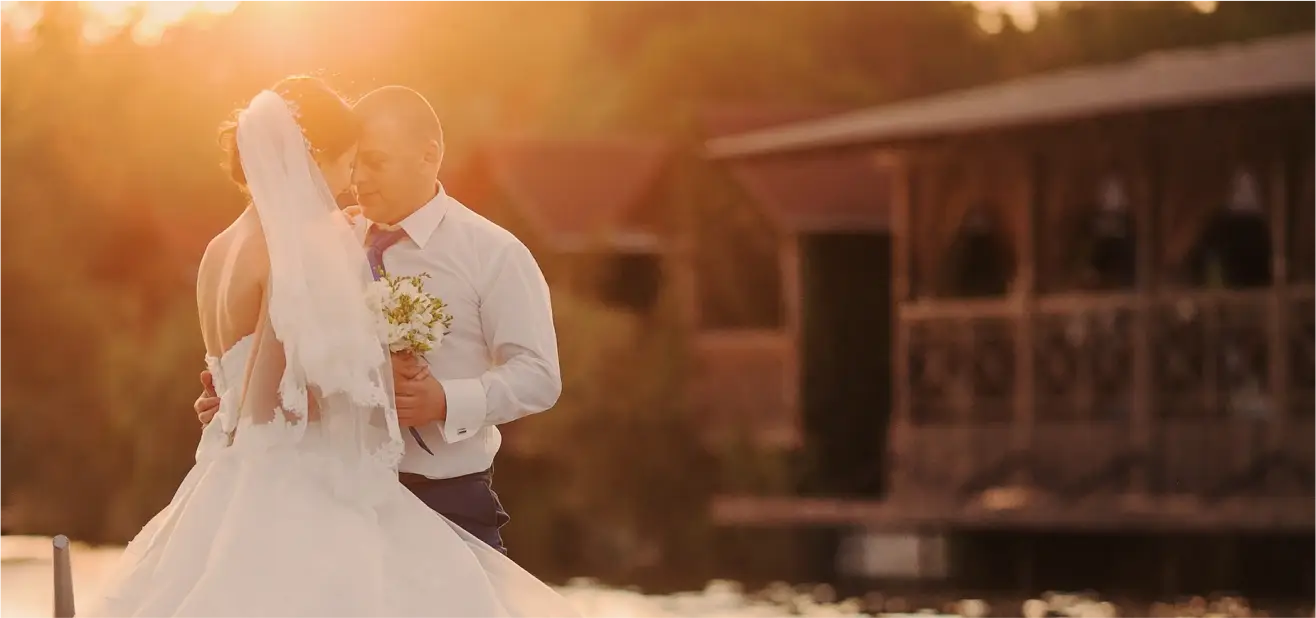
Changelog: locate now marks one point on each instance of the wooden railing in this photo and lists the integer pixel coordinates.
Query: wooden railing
(1204, 393)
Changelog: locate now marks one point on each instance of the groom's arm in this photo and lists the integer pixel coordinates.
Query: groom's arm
(516, 317)
(207, 403)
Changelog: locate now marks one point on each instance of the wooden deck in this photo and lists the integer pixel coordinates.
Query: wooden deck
(1011, 509)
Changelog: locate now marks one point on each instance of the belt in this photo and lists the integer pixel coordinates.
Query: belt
(411, 478)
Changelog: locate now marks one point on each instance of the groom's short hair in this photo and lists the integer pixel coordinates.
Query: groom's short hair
(406, 104)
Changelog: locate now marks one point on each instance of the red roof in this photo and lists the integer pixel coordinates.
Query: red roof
(810, 192)
(575, 190)
(1168, 79)
(721, 119)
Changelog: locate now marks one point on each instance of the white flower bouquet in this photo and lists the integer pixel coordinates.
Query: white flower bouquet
(407, 318)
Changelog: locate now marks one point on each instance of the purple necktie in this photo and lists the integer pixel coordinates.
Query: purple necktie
(377, 241)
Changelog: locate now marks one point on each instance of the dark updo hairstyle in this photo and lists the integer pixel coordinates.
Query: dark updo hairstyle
(325, 117)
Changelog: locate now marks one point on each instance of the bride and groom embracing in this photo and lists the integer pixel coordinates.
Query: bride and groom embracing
(336, 476)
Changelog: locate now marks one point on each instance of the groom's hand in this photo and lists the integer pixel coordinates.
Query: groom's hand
(407, 366)
(419, 396)
(208, 403)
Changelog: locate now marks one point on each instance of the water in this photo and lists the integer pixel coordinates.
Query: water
(26, 579)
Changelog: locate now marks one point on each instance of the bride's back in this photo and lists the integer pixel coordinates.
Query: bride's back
(296, 139)
(231, 283)
(232, 277)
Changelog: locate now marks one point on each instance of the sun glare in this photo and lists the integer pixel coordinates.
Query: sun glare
(19, 17)
(993, 15)
(105, 19)
(149, 20)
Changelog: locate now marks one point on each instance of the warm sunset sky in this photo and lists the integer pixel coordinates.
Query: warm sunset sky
(108, 17)
(104, 18)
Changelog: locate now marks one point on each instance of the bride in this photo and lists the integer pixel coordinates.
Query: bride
(294, 506)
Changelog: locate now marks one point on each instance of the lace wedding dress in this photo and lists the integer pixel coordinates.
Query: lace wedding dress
(293, 507)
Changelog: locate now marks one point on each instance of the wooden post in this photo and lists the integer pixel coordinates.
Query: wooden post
(682, 256)
(901, 173)
(1147, 231)
(685, 232)
(788, 256)
(1279, 305)
(1025, 299)
(63, 578)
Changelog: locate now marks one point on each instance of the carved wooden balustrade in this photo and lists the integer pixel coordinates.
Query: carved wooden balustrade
(1203, 394)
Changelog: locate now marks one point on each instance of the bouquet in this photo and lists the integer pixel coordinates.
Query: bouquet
(408, 319)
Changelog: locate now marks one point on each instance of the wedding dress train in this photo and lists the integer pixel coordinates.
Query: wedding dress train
(263, 527)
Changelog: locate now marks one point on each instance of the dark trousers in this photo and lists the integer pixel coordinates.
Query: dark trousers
(468, 501)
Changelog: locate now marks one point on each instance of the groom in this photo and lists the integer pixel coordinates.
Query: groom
(498, 363)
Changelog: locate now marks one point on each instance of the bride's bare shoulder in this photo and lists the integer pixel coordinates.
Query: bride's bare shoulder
(240, 245)
(230, 280)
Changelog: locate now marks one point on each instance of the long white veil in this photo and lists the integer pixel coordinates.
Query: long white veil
(317, 357)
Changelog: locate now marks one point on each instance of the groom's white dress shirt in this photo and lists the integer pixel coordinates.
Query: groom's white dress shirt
(499, 361)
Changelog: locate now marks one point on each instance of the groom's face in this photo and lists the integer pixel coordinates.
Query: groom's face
(391, 176)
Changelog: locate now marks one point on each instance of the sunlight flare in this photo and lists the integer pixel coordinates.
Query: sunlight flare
(1024, 15)
(148, 20)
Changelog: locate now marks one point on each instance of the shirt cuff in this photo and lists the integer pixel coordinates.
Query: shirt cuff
(466, 409)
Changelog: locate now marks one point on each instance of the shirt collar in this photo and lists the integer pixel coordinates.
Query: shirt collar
(420, 225)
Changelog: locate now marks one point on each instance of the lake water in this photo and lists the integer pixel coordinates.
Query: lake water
(26, 580)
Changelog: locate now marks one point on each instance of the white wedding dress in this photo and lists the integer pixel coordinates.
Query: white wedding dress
(257, 529)
(293, 507)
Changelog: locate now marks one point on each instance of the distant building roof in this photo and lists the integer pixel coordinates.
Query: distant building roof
(816, 192)
(576, 190)
(1267, 67)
